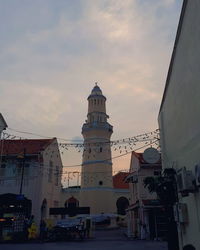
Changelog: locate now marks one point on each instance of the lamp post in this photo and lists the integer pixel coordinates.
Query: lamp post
(22, 172)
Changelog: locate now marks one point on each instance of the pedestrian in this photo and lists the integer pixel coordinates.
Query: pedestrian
(189, 247)
(43, 230)
(26, 228)
(31, 220)
(87, 227)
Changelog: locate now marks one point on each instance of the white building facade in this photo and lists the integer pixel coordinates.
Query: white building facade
(3, 124)
(179, 119)
(42, 165)
(145, 213)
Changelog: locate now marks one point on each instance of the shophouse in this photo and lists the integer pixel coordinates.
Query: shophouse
(32, 168)
(145, 213)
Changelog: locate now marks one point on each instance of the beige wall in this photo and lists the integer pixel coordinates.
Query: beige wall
(98, 199)
(106, 202)
(179, 118)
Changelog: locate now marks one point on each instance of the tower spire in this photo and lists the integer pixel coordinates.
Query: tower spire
(96, 163)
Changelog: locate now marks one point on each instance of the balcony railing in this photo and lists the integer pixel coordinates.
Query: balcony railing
(97, 125)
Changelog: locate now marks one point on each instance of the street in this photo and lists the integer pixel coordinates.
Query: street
(105, 240)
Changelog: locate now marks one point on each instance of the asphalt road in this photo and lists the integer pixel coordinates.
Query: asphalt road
(103, 240)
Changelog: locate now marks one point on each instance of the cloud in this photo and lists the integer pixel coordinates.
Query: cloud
(169, 2)
(49, 65)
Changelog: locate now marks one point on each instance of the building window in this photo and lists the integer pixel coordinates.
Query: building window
(98, 101)
(57, 176)
(101, 149)
(100, 183)
(90, 150)
(94, 101)
(50, 174)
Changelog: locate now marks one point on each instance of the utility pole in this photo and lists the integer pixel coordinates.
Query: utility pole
(22, 172)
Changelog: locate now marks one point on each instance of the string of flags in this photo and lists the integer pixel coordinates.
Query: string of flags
(68, 176)
(120, 145)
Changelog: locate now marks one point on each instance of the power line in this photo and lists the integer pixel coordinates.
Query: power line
(109, 159)
(144, 137)
(42, 136)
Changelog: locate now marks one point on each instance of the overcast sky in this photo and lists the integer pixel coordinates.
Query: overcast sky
(52, 52)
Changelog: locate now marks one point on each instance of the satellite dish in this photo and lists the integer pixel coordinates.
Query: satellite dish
(151, 155)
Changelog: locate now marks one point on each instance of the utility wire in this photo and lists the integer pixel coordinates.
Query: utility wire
(80, 142)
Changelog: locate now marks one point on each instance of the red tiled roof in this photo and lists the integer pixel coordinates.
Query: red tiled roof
(119, 180)
(139, 156)
(32, 146)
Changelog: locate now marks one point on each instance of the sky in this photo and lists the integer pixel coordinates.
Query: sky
(52, 53)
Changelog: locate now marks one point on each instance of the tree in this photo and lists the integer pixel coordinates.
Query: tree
(165, 188)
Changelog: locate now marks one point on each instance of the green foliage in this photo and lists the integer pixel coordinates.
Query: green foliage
(164, 186)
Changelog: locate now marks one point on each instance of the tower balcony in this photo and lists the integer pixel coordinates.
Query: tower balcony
(97, 126)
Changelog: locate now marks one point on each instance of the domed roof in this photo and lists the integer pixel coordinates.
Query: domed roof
(96, 90)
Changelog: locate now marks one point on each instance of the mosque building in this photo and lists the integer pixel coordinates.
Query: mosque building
(99, 190)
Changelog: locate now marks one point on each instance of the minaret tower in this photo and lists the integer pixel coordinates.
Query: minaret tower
(96, 178)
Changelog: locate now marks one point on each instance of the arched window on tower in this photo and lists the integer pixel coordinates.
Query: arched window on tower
(101, 149)
(94, 101)
(97, 101)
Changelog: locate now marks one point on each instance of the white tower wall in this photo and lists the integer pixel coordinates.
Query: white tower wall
(96, 180)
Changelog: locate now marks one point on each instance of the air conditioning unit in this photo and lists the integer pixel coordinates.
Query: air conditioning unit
(185, 181)
(197, 175)
(181, 213)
